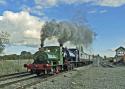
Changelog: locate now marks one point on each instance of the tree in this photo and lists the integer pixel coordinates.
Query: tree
(4, 39)
(25, 55)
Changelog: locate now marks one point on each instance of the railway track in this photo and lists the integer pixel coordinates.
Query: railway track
(12, 74)
(6, 80)
(106, 65)
(33, 80)
(26, 82)
(37, 79)
(13, 82)
(43, 79)
(15, 75)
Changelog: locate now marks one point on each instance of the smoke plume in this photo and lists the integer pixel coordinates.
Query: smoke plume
(67, 31)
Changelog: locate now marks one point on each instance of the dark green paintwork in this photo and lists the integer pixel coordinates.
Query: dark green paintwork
(52, 54)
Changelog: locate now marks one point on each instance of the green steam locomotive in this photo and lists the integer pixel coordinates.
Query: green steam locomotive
(53, 59)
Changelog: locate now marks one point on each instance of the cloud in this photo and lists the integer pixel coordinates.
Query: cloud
(111, 50)
(37, 9)
(97, 11)
(111, 3)
(102, 11)
(50, 3)
(106, 52)
(39, 5)
(23, 28)
(92, 11)
(45, 3)
(2, 2)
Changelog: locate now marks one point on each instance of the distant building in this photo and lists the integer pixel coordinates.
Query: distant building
(120, 52)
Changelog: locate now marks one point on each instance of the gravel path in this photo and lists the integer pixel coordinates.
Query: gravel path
(87, 78)
(100, 78)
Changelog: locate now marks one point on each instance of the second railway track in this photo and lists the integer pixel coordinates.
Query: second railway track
(25, 86)
(29, 81)
(6, 80)
(15, 75)
(7, 75)
(15, 81)
(42, 79)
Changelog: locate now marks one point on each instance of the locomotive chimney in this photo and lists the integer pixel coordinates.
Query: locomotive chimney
(41, 45)
(61, 45)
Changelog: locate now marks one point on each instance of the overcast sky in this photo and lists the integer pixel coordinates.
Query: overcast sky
(23, 19)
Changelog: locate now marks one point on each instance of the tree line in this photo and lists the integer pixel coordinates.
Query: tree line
(23, 55)
(4, 39)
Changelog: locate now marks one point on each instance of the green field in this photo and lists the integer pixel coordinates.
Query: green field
(13, 66)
